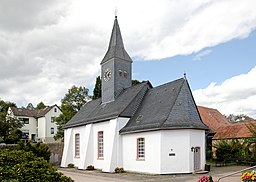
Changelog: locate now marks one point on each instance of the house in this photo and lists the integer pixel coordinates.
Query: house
(222, 128)
(140, 128)
(39, 124)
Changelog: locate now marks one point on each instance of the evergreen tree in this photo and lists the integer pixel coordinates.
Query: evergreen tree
(40, 105)
(97, 89)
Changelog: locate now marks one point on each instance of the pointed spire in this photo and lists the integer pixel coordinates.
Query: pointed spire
(116, 47)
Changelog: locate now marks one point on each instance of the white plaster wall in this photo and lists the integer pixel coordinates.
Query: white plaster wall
(41, 128)
(197, 139)
(89, 145)
(103, 126)
(31, 127)
(175, 142)
(49, 124)
(67, 156)
(151, 164)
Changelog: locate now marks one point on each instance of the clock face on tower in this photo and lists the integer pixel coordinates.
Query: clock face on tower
(107, 74)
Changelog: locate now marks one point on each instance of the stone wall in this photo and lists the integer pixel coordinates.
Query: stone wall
(56, 152)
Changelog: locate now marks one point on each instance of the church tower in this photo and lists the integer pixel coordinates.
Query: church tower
(116, 67)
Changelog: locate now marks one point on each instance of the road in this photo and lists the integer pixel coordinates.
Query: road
(81, 177)
(93, 176)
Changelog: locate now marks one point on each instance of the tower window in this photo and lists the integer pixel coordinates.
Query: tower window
(120, 73)
(125, 74)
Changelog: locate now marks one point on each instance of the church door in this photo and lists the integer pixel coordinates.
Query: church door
(197, 159)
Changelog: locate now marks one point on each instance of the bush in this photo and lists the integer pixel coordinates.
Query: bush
(39, 149)
(90, 167)
(119, 170)
(23, 165)
(71, 165)
(228, 149)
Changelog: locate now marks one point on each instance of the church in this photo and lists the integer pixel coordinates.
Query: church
(139, 128)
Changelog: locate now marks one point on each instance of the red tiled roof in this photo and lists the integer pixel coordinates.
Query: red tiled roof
(221, 126)
(236, 130)
(31, 112)
(212, 118)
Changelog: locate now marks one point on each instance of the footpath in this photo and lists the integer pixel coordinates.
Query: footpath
(98, 176)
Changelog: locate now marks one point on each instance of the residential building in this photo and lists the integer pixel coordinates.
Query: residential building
(39, 124)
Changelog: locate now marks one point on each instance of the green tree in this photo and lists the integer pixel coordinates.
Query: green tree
(70, 105)
(97, 89)
(40, 105)
(9, 127)
(135, 82)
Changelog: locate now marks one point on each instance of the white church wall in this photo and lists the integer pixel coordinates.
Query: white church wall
(175, 153)
(67, 156)
(197, 139)
(151, 163)
(97, 127)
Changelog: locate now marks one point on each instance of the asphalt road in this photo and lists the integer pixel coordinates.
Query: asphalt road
(96, 176)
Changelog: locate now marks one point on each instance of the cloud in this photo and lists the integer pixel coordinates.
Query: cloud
(202, 54)
(236, 95)
(48, 46)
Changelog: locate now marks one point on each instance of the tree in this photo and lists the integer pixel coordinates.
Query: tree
(40, 105)
(237, 118)
(9, 127)
(70, 105)
(135, 82)
(97, 89)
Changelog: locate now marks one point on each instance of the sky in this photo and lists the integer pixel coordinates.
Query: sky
(48, 46)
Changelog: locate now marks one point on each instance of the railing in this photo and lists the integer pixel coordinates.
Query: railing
(231, 174)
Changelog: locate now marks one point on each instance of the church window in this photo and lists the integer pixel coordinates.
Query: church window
(125, 74)
(120, 73)
(77, 145)
(100, 145)
(140, 148)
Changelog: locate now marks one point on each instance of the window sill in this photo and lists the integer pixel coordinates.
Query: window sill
(101, 158)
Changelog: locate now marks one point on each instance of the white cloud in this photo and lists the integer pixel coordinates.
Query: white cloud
(236, 95)
(202, 54)
(47, 46)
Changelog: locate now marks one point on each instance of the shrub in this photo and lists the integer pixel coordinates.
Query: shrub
(71, 165)
(119, 170)
(39, 149)
(90, 167)
(21, 165)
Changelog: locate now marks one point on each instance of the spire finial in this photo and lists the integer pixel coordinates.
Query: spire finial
(185, 75)
(116, 12)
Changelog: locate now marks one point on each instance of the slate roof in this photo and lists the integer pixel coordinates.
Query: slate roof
(37, 113)
(124, 106)
(168, 106)
(116, 47)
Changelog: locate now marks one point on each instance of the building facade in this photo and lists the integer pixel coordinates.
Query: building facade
(140, 128)
(39, 124)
